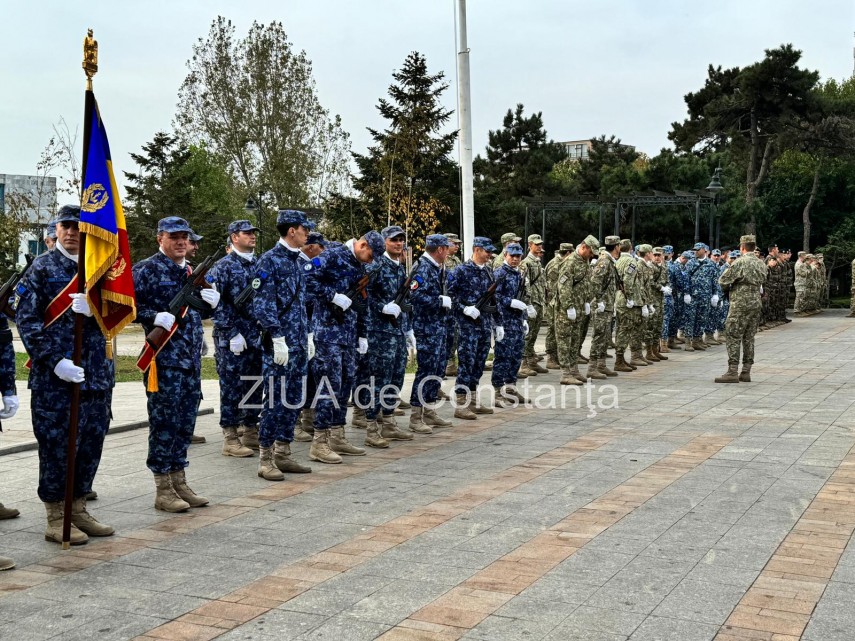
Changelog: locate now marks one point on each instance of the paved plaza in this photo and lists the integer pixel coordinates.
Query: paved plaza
(692, 511)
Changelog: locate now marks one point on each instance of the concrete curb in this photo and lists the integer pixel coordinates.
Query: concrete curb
(118, 429)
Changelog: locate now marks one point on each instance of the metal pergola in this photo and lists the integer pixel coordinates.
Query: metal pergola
(546, 206)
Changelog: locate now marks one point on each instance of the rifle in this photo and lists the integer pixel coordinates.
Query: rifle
(357, 294)
(486, 304)
(186, 297)
(403, 293)
(8, 288)
(248, 293)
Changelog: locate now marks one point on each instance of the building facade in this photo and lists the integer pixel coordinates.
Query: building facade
(31, 199)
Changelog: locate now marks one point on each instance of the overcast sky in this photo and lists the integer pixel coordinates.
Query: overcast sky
(591, 66)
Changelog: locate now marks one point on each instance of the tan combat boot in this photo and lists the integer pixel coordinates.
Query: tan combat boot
(359, 421)
(450, 369)
(338, 442)
(663, 347)
(569, 378)
(6, 563)
(179, 483)
(620, 363)
(85, 522)
(463, 410)
(673, 345)
(389, 429)
(552, 362)
(582, 359)
(603, 367)
(503, 398)
(481, 408)
(266, 468)
(282, 459)
(579, 374)
(320, 450)
(512, 389)
(637, 360)
(649, 356)
(304, 428)
(232, 445)
(417, 423)
(54, 526)
(745, 375)
(525, 370)
(404, 405)
(8, 512)
(689, 346)
(594, 370)
(431, 418)
(658, 353)
(197, 439)
(698, 344)
(249, 437)
(732, 376)
(166, 499)
(373, 438)
(535, 365)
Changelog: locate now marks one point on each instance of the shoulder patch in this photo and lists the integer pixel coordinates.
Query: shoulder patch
(209, 277)
(562, 280)
(20, 289)
(308, 267)
(316, 261)
(631, 268)
(256, 283)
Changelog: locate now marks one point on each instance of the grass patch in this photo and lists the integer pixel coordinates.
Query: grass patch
(126, 369)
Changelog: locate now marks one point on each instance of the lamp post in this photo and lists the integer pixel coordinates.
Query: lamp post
(715, 224)
(254, 211)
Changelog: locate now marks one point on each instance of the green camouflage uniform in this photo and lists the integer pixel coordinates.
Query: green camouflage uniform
(551, 274)
(574, 285)
(628, 332)
(604, 287)
(742, 282)
(534, 284)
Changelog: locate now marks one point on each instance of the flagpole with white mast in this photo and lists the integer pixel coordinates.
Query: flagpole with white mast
(464, 117)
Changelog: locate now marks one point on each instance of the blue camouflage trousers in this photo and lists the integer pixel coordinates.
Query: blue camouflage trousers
(49, 411)
(703, 314)
(430, 366)
(507, 358)
(333, 369)
(473, 346)
(450, 336)
(284, 396)
(387, 363)
(172, 417)
(230, 368)
(362, 379)
(687, 322)
(667, 318)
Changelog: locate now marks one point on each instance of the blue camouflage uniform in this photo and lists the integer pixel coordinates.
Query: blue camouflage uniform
(231, 275)
(314, 238)
(429, 324)
(7, 359)
(172, 409)
(474, 336)
(509, 351)
(51, 397)
(337, 270)
(279, 306)
(702, 278)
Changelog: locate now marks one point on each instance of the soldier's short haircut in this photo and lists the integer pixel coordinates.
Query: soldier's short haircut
(750, 247)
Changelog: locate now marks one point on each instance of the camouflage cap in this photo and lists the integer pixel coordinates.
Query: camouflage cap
(591, 242)
(747, 238)
(510, 236)
(657, 251)
(810, 256)
(802, 253)
(536, 239)
(645, 248)
(625, 244)
(612, 240)
(565, 247)
(716, 252)
(514, 249)
(734, 253)
(667, 249)
(454, 238)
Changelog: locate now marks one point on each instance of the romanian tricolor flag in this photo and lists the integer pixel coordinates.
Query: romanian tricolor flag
(107, 256)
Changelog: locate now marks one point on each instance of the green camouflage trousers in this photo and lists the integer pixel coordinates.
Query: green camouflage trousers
(628, 330)
(569, 335)
(551, 343)
(739, 331)
(533, 330)
(601, 334)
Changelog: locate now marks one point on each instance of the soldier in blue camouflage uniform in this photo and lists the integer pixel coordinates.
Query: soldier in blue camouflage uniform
(389, 334)
(199, 341)
(315, 244)
(49, 344)
(474, 326)
(431, 305)
(279, 308)
(702, 274)
(50, 235)
(9, 405)
(452, 262)
(237, 342)
(334, 273)
(513, 318)
(173, 407)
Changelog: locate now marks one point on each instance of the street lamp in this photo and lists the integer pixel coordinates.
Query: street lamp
(715, 223)
(253, 210)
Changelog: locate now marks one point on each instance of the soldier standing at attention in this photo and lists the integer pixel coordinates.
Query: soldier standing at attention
(9, 405)
(499, 257)
(45, 309)
(50, 235)
(430, 307)
(237, 341)
(534, 285)
(629, 320)
(513, 317)
(742, 281)
(604, 286)
(703, 279)
(177, 367)
(313, 248)
(551, 273)
(451, 263)
(572, 304)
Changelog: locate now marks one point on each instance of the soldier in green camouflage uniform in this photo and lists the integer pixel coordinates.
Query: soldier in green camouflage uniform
(534, 285)
(628, 310)
(742, 281)
(800, 282)
(551, 275)
(507, 239)
(658, 283)
(822, 286)
(604, 287)
(572, 303)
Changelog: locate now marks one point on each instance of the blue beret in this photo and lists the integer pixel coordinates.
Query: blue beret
(716, 252)
(513, 249)
(241, 225)
(701, 246)
(68, 214)
(437, 240)
(391, 231)
(316, 238)
(667, 249)
(173, 224)
(484, 243)
(294, 217)
(50, 231)
(376, 243)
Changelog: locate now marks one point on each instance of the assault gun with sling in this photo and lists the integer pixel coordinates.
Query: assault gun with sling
(357, 294)
(486, 304)
(247, 294)
(403, 294)
(8, 288)
(186, 297)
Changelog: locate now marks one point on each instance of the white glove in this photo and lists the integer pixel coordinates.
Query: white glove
(587, 308)
(471, 312)
(721, 303)
(237, 344)
(445, 301)
(630, 303)
(666, 289)
(644, 311)
(280, 351)
(10, 407)
(310, 346)
(687, 298)
(164, 320)
(518, 304)
(571, 313)
(761, 290)
(362, 348)
(500, 333)
(593, 262)
(69, 372)
(531, 311)
(714, 300)
(525, 328)
(601, 307)
(211, 296)
(342, 301)
(411, 340)
(79, 304)
(392, 308)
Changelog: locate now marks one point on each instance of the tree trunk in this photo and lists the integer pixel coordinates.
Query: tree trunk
(755, 176)
(806, 211)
